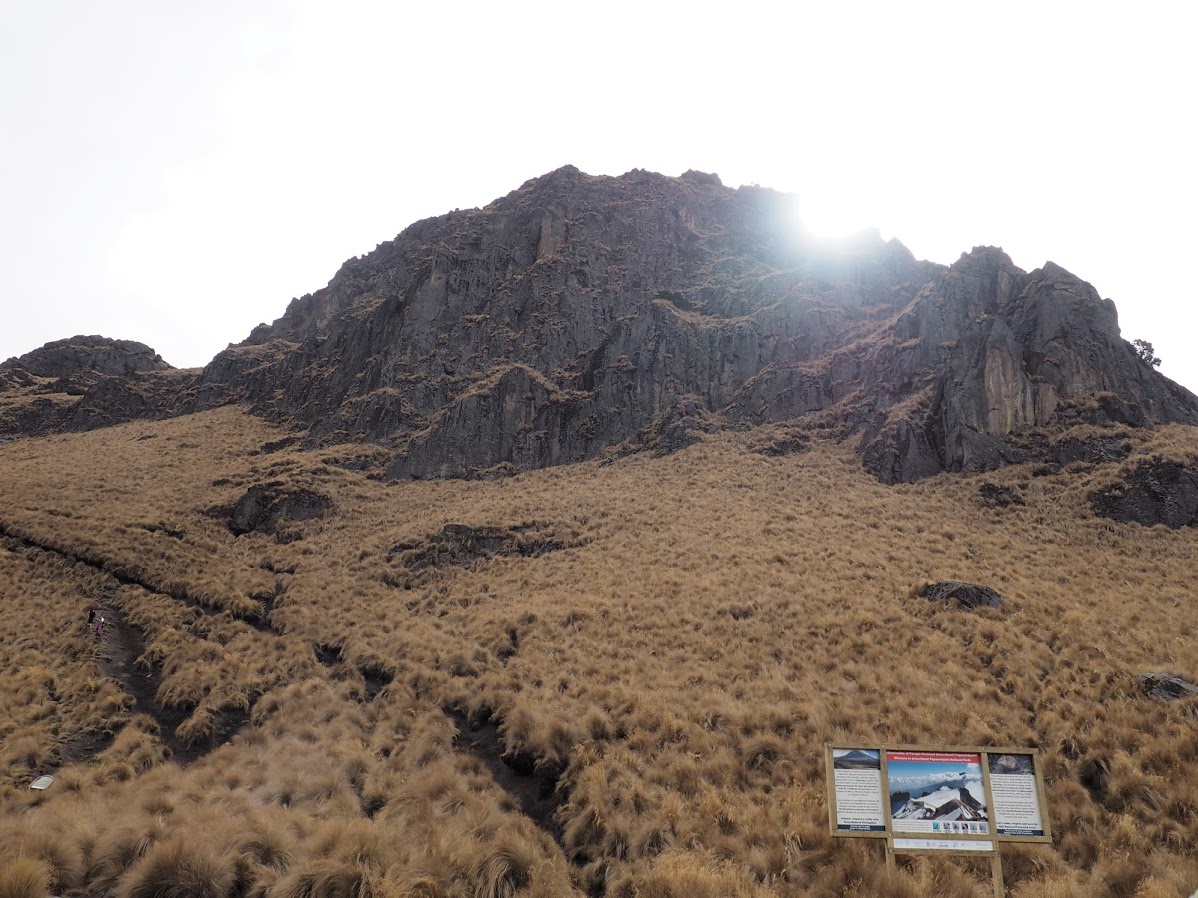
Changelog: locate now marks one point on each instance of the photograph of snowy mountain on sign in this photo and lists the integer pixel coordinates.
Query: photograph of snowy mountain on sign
(935, 787)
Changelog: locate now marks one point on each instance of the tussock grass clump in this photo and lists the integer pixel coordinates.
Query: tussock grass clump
(326, 879)
(685, 875)
(179, 868)
(24, 877)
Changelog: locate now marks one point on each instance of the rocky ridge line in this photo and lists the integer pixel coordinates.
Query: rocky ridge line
(580, 317)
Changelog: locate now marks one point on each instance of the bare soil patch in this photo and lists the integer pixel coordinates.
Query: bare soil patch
(532, 790)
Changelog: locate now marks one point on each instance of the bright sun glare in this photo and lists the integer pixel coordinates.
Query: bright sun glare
(832, 218)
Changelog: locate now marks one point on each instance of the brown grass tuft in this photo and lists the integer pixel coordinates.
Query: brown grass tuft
(326, 879)
(24, 877)
(505, 868)
(179, 868)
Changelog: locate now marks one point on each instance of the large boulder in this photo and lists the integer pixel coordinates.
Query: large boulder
(1167, 686)
(962, 594)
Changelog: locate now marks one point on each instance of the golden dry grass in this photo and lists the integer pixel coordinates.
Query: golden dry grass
(717, 616)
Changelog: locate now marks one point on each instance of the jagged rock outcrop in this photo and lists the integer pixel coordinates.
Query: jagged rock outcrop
(556, 323)
(570, 317)
(270, 507)
(1017, 351)
(88, 357)
(86, 382)
(1153, 491)
(586, 316)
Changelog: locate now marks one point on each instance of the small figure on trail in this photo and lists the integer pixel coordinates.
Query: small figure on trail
(100, 628)
(91, 614)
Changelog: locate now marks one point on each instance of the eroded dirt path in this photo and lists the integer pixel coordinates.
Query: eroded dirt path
(533, 792)
(123, 646)
(118, 656)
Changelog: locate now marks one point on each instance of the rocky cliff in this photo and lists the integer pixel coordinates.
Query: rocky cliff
(86, 382)
(580, 316)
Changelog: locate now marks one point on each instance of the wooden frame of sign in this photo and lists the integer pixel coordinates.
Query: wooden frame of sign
(861, 799)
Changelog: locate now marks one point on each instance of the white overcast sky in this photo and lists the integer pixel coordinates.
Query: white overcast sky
(176, 172)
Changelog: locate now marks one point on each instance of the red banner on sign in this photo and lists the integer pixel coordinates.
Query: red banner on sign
(941, 757)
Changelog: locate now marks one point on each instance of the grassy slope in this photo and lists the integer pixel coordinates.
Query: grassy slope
(718, 617)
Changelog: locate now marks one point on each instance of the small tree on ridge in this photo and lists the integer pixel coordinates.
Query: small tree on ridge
(1146, 353)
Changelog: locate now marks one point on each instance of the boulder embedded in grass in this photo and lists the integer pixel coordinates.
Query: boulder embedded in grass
(1167, 686)
(268, 507)
(967, 595)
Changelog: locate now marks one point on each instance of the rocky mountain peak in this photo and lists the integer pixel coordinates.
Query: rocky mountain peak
(88, 354)
(699, 177)
(573, 318)
(85, 382)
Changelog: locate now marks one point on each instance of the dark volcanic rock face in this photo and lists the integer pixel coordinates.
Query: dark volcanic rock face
(573, 315)
(88, 356)
(86, 382)
(1003, 351)
(268, 507)
(1152, 492)
(564, 320)
(584, 316)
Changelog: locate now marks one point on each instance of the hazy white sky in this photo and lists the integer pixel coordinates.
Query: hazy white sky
(176, 172)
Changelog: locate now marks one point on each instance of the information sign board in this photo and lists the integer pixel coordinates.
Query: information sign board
(932, 792)
(932, 799)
